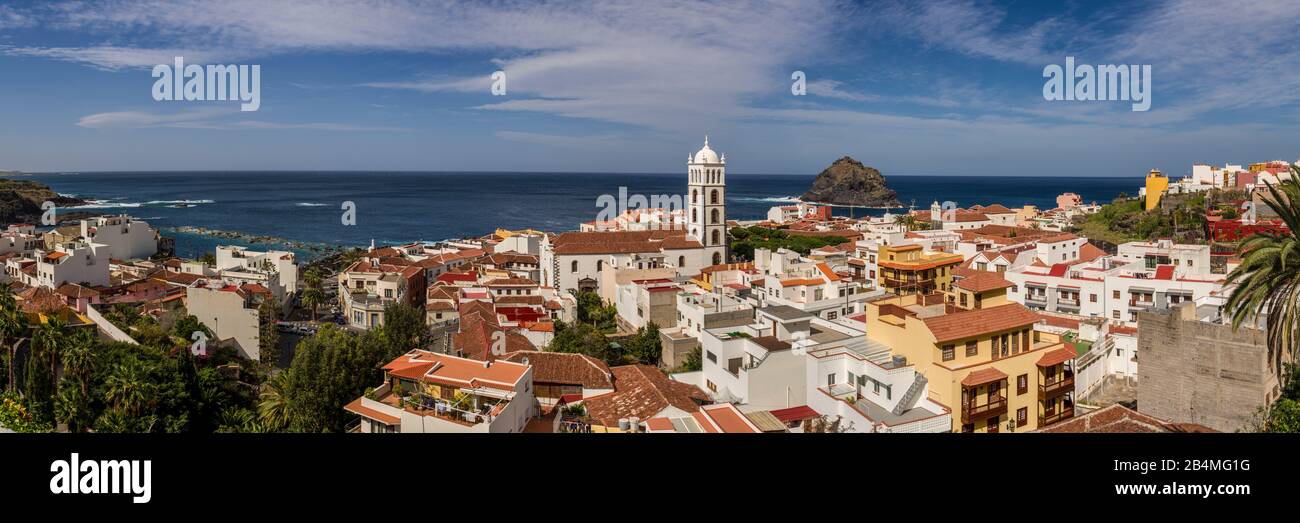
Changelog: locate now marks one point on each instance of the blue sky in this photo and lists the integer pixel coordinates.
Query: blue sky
(947, 87)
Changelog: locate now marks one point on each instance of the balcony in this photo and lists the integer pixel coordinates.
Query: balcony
(1036, 298)
(1055, 417)
(1056, 386)
(1141, 303)
(970, 412)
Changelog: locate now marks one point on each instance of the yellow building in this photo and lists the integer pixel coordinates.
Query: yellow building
(984, 361)
(1157, 184)
(907, 269)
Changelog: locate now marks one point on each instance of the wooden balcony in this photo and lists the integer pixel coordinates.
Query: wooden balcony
(970, 412)
(1055, 417)
(1062, 384)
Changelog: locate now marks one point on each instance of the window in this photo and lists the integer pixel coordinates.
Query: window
(713, 216)
(712, 357)
(1092, 298)
(972, 348)
(681, 261)
(948, 353)
(573, 267)
(1022, 416)
(1022, 384)
(1114, 314)
(600, 265)
(832, 315)
(713, 196)
(1115, 295)
(830, 379)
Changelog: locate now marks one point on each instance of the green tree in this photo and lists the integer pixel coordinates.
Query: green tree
(403, 329)
(581, 338)
(129, 389)
(13, 324)
(329, 370)
(1268, 279)
(72, 405)
(268, 338)
(646, 347)
(312, 297)
(274, 408)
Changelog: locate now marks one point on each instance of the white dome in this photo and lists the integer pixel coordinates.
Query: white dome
(706, 155)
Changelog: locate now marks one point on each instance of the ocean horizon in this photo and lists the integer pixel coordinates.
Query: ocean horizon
(396, 207)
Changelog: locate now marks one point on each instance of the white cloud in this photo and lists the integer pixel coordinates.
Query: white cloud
(211, 118)
(113, 58)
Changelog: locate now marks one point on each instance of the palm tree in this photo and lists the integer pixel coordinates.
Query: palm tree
(273, 408)
(312, 297)
(12, 325)
(51, 337)
(1268, 279)
(79, 358)
(312, 278)
(128, 389)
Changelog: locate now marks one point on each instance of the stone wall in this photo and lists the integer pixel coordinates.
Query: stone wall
(1191, 371)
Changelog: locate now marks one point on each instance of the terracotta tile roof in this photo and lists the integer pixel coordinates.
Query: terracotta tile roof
(971, 323)
(1057, 321)
(357, 408)
(75, 291)
(565, 368)
(1056, 357)
(431, 367)
(982, 281)
(621, 242)
(982, 376)
(441, 291)
(642, 391)
(1118, 418)
(511, 282)
(527, 299)
(478, 322)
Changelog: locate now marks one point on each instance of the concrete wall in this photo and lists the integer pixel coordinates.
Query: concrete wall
(1200, 372)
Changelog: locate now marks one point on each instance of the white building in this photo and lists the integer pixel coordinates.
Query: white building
(1143, 276)
(77, 262)
(229, 310)
(427, 392)
(871, 391)
(707, 173)
(240, 263)
(19, 238)
(758, 364)
(127, 238)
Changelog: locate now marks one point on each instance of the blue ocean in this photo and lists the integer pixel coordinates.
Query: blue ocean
(396, 207)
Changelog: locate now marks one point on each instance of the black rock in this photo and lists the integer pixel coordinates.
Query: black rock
(848, 182)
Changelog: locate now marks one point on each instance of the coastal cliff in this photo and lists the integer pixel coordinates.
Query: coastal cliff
(20, 200)
(848, 182)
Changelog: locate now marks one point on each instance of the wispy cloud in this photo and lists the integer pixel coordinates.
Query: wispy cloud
(211, 118)
(113, 58)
